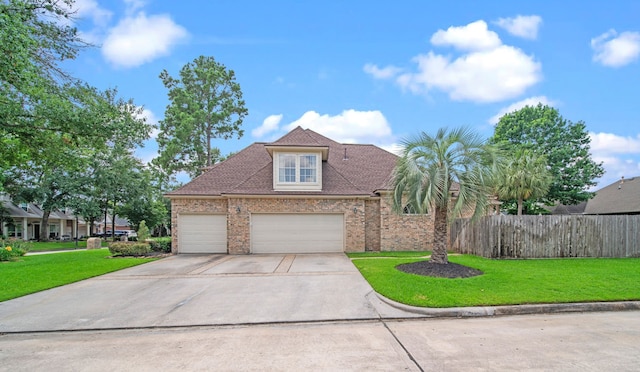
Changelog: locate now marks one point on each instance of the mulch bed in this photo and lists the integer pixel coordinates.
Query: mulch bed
(428, 268)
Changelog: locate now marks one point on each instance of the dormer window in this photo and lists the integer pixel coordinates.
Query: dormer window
(297, 171)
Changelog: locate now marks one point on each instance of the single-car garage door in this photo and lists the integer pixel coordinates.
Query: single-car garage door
(297, 233)
(202, 233)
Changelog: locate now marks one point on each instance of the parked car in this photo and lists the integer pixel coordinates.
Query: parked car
(65, 237)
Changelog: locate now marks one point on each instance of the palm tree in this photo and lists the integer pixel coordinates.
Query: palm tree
(428, 169)
(523, 176)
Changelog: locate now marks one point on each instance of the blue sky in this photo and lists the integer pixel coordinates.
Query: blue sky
(378, 71)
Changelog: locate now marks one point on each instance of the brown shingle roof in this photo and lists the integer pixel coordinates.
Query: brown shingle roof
(617, 198)
(348, 170)
(298, 137)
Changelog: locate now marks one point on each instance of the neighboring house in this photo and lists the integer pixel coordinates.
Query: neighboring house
(27, 218)
(568, 209)
(303, 193)
(120, 223)
(621, 197)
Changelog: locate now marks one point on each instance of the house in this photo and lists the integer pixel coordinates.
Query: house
(23, 221)
(303, 193)
(620, 197)
(120, 224)
(567, 209)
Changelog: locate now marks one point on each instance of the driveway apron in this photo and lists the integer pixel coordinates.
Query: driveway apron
(187, 290)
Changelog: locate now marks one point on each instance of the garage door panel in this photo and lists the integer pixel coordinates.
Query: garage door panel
(202, 233)
(297, 233)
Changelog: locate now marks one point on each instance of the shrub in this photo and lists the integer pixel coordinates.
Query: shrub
(161, 244)
(11, 249)
(129, 249)
(143, 231)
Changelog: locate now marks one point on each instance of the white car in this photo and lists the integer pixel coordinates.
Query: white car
(131, 233)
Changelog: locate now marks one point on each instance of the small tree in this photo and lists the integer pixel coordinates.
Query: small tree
(427, 171)
(143, 231)
(523, 176)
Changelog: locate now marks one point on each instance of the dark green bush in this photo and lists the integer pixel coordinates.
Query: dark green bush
(129, 249)
(161, 244)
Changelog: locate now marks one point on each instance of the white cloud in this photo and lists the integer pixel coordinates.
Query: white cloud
(474, 36)
(141, 38)
(613, 50)
(521, 26)
(619, 155)
(531, 101)
(350, 126)
(134, 5)
(609, 143)
(487, 76)
(90, 9)
(381, 73)
(270, 124)
(488, 71)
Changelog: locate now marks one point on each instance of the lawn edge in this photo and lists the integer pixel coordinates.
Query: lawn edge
(505, 310)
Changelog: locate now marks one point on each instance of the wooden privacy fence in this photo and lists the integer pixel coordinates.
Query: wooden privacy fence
(547, 236)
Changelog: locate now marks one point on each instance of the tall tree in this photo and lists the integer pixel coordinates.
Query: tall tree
(38, 98)
(565, 145)
(206, 103)
(523, 176)
(427, 171)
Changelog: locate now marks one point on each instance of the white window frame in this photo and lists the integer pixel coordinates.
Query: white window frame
(297, 185)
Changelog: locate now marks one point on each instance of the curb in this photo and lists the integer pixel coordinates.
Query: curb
(480, 311)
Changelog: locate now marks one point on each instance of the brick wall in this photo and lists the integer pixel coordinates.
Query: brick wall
(372, 225)
(239, 211)
(404, 232)
(369, 225)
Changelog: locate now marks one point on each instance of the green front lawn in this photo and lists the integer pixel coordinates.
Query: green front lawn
(36, 273)
(507, 282)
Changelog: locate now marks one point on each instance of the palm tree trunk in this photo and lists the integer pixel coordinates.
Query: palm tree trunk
(520, 202)
(439, 253)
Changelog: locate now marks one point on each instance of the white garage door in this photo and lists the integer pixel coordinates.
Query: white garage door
(297, 233)
(202, 233)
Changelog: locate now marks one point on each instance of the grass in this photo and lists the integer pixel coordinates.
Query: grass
(507, 282)
(58, 246)
(36, 273)
(389, 254)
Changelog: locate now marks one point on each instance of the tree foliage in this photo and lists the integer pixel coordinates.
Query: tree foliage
(55, 129)
(429, 170)
(206, 103)
(523, 176)
(565, 145)
(41, 105)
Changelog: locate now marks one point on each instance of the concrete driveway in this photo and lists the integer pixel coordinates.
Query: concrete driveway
(188, 290)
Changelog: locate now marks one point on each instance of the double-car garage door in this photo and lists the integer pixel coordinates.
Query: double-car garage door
(270, 233)
(297, 233)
